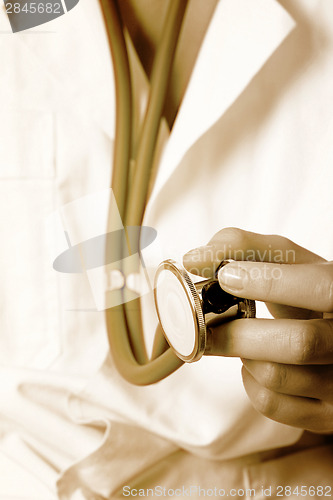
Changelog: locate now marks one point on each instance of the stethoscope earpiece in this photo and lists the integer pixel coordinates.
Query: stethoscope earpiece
(185, 308)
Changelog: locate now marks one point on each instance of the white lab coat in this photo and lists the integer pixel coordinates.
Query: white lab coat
(251, 147)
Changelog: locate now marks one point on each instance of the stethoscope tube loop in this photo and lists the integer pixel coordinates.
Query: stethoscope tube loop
(124, 322)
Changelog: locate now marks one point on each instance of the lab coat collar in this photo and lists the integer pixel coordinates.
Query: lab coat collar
(242, 35)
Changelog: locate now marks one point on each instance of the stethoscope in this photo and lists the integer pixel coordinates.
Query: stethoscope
(184, 308)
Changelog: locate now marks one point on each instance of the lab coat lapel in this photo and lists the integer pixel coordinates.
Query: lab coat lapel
(241, 37)
(73, 51)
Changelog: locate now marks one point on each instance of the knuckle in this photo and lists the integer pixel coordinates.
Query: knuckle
(268, 285)
(265, 402)
(330, 297)
(274, 376)
(235, 236)
(321, 420)
(282, 240)
(327, 423)
(289, 244)
(324, 288)
(305, 344)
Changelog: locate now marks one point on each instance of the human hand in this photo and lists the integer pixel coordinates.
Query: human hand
(287, 361)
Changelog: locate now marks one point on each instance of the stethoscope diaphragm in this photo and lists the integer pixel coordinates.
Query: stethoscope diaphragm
(184, 308)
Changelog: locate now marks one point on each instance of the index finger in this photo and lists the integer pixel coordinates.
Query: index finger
(297, 342)
(240, 245)
(308, 286)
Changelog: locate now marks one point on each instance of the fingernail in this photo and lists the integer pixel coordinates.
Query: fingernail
(232, 277)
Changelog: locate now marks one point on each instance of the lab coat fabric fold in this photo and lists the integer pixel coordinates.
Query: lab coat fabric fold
(244, 144)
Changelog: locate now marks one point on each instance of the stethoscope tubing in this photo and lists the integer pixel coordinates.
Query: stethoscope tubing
(123, 322)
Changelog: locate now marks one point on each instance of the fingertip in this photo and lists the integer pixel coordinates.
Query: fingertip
(201, 261)
(198, 269)
(192, 256)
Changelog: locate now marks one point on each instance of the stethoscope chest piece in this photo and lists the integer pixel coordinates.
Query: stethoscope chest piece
(184, 308)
